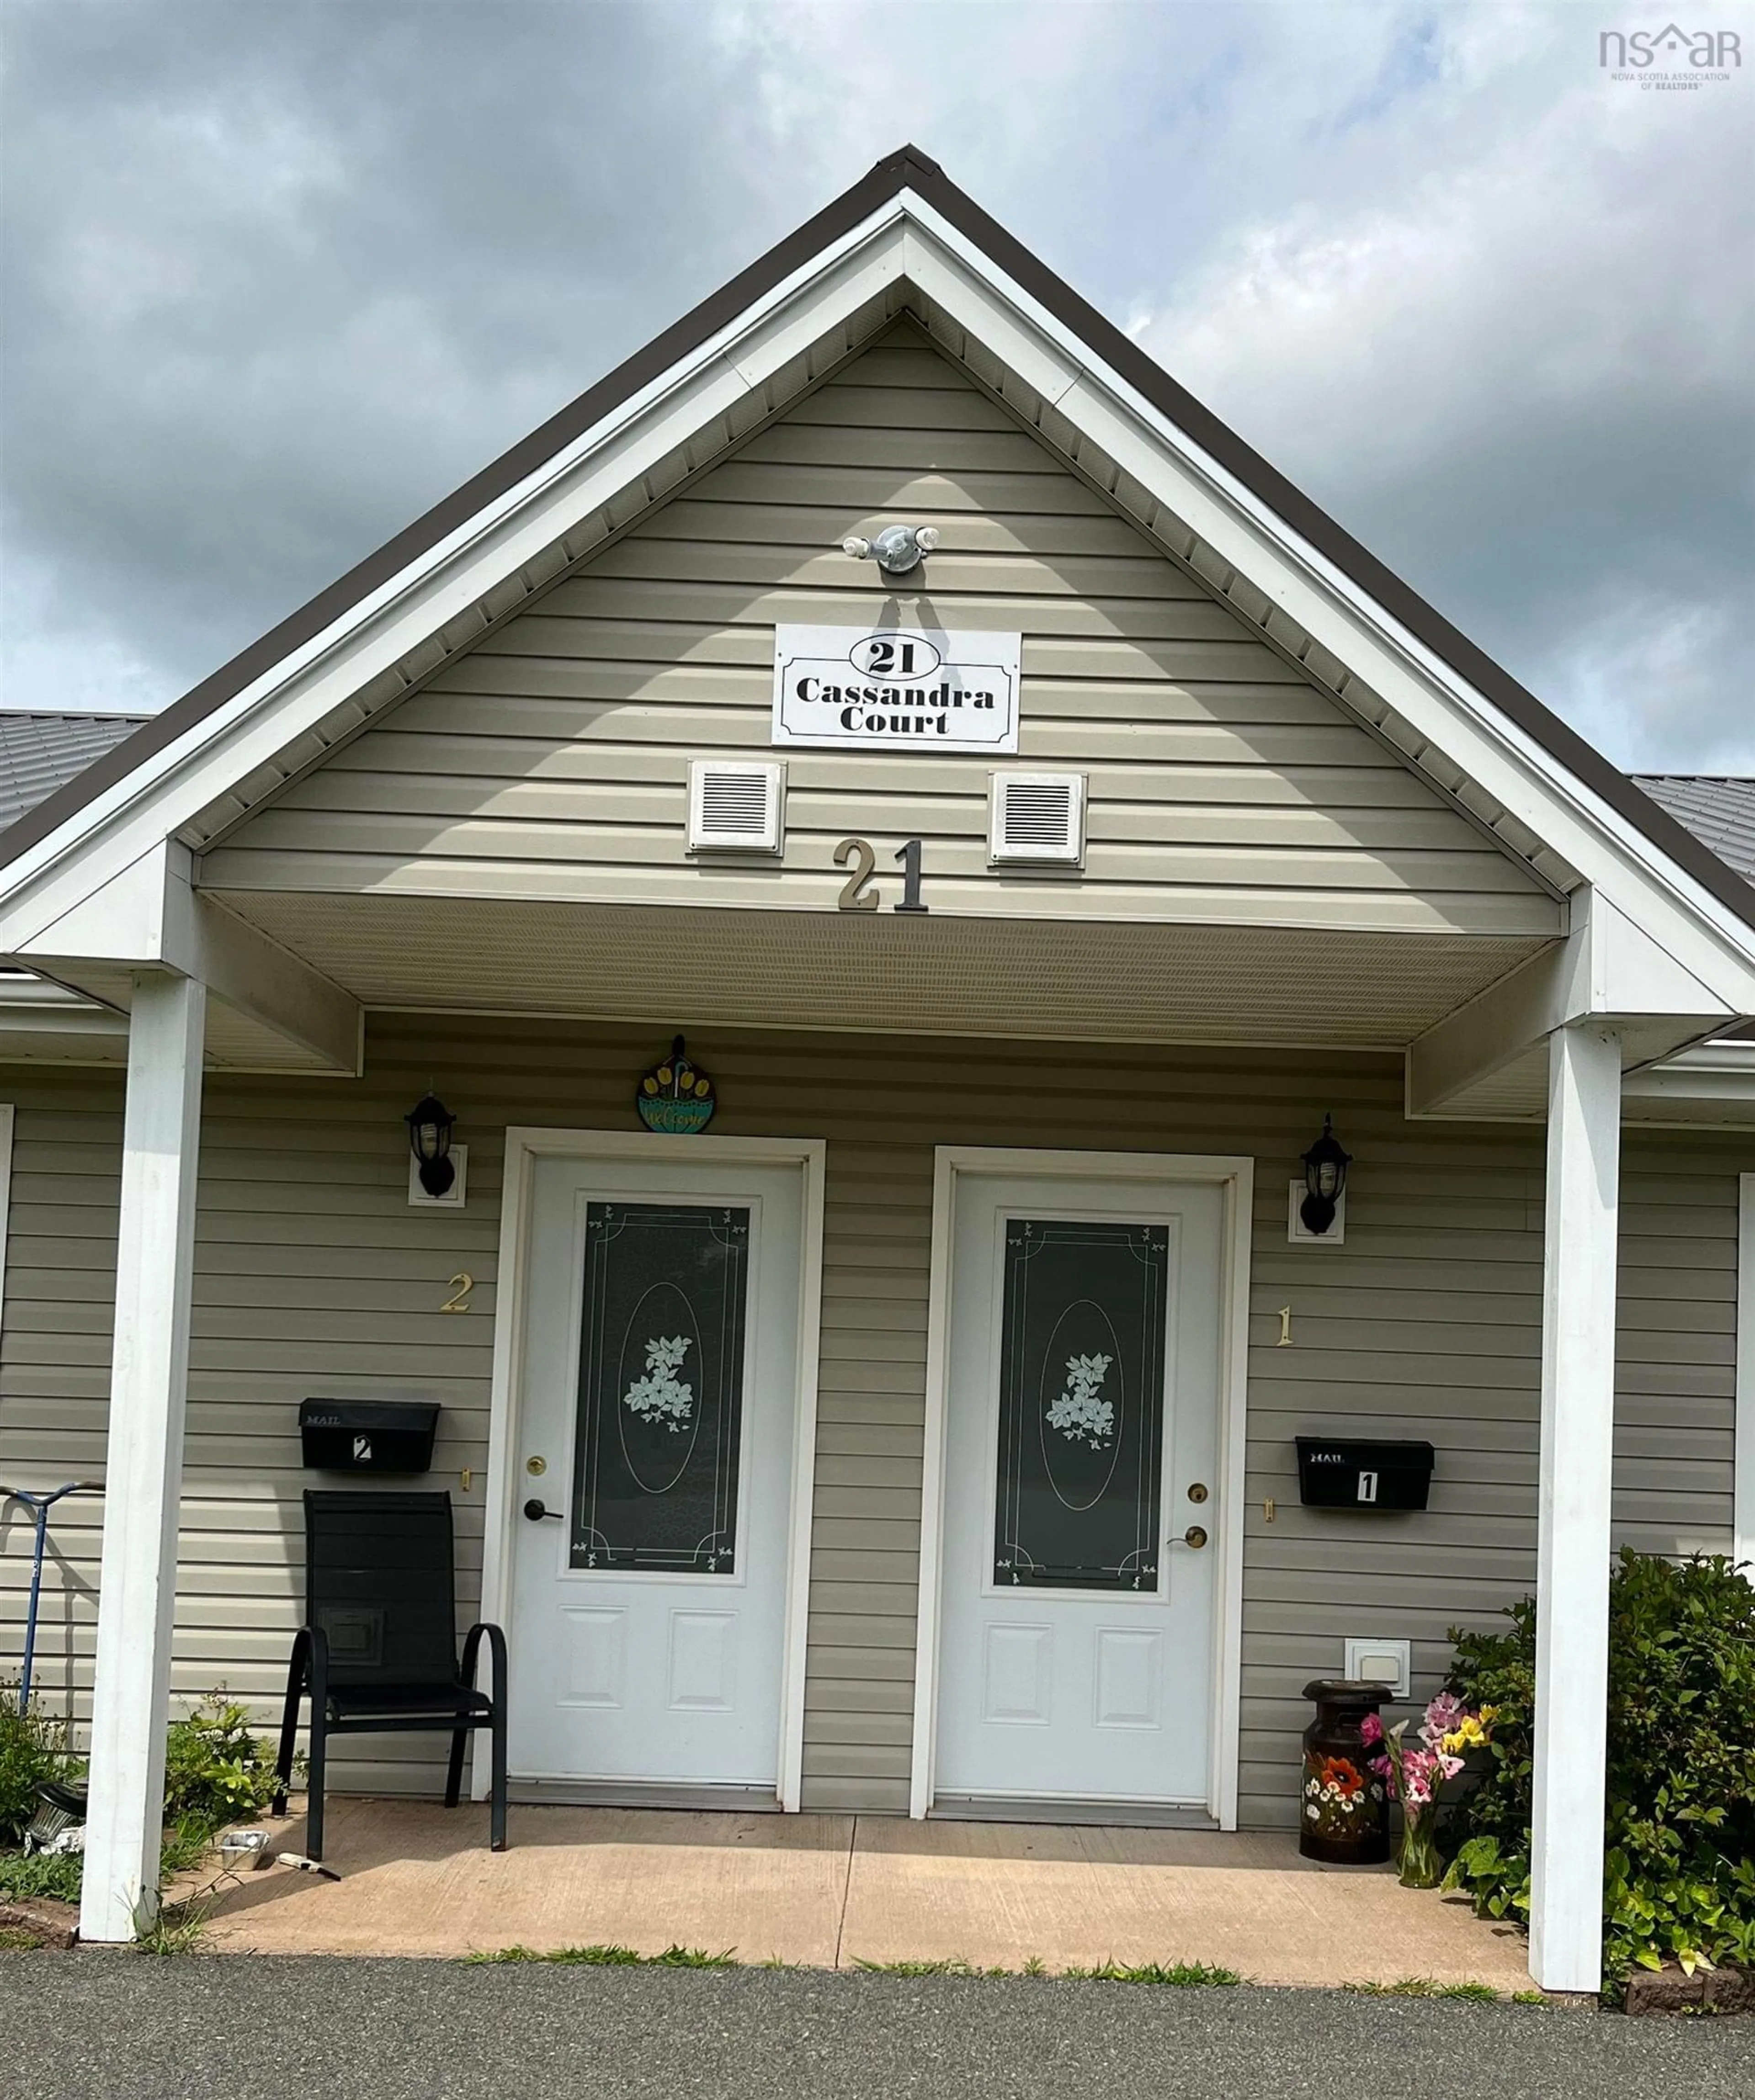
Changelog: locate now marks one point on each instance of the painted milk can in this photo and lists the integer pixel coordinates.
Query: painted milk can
(1344, 1811)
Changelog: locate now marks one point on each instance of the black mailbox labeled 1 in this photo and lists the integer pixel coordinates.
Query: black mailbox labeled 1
(367, 1436)
(1351, 1472)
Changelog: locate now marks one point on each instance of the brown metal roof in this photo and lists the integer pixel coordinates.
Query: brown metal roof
(910, 169)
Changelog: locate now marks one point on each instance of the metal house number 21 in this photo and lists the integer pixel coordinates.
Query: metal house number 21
(856, 895)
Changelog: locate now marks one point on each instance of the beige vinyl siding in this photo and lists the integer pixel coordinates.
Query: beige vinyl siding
(1675, 1406)
(551, 759)
(314, 1275)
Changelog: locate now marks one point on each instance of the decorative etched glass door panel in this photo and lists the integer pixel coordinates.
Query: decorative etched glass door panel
(1082, 1369)
(1081, 1405)
(657, 1399)
(660, 1387)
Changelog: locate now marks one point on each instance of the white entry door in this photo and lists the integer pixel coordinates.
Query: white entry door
(653, 1462)
(1076, 1643)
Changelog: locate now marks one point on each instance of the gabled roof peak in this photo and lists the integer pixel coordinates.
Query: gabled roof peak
(1106, 348)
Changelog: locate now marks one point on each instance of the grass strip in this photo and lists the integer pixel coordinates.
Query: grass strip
(1175, 1975)
(602, 1957)
(1427, 1987)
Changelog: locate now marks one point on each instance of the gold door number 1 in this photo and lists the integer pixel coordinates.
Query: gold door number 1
(855, 895)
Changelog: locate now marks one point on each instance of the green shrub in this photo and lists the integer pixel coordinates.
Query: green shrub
(55, 1874)
(215, 1771)
(1679, 1882)
(32, 1748)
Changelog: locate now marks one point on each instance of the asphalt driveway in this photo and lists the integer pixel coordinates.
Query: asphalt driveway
(131, 2027)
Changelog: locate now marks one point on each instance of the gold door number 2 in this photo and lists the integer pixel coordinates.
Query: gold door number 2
(462, 1284)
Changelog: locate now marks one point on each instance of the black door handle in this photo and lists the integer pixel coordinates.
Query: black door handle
(534, 1510)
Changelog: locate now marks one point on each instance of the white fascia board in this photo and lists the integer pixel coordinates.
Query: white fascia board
(1450, 713)
(123, 919)
(22, 991)
(40, 1019)
(250, 731)
(1710, 1072)
(1607, 968)
(256, 976)
(150, 917)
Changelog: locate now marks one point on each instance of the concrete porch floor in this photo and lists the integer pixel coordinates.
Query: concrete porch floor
(831, 1891)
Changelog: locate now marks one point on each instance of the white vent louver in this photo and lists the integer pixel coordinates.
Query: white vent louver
(1037, 817)
(734, 805)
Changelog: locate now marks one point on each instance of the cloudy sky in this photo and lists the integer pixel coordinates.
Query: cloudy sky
(279, 273)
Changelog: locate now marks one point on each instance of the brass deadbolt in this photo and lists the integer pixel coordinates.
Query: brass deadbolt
(1198, 1491)
(536, 1464)
(1195, 1536)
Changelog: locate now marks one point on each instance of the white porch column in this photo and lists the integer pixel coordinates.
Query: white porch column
(1572, 1558)
(149, 1381)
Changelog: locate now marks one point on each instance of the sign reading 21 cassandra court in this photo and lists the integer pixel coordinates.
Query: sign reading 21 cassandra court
(895, 689)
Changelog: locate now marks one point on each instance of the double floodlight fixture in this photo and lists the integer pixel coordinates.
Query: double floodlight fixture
(897, 550)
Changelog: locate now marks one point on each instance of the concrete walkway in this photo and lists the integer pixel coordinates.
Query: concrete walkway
(834, 1891)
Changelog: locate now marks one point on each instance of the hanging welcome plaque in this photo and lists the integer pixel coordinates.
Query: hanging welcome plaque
(675, 1096)
(895, 689)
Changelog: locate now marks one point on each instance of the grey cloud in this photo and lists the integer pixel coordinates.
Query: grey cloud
(276, 278)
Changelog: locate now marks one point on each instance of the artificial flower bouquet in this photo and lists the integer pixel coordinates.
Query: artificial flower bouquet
(1415, 1776)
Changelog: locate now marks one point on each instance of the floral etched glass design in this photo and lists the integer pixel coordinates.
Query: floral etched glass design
(660, 1399)
(1081, 1404)
(660, 1395)
(1081, 1412)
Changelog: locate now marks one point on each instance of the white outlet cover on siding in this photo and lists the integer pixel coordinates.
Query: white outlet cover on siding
(1036, 817)
(1388, 1662)
(734, 805)
(1298, 1233)
(455, 1197)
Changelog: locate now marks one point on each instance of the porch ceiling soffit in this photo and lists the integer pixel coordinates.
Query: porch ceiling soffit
(942, 973)
(45, 1023)
(912, 241)
(1490, 1056)
(1708, 1088)
(269, 1009)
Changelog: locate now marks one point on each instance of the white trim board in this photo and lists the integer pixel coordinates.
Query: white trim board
(1743, 1486)
(524, 1146)
(1234, 1174)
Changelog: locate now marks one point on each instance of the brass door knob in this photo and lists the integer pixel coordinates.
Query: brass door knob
(1195, 1536)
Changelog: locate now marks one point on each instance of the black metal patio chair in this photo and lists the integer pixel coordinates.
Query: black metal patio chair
(377, 1651)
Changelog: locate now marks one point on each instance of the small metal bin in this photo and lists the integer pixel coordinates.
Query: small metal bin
(1351, 1472)
(367, 1436)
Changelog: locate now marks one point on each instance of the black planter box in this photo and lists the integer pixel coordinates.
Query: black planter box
(367, 1436)
(1351, 1472)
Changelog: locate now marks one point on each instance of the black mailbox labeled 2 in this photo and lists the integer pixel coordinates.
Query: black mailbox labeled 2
(1348, 1472)
(367, 1436)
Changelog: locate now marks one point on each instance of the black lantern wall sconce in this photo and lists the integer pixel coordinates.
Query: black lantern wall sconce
(430, 1124)
(1325, 1166)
